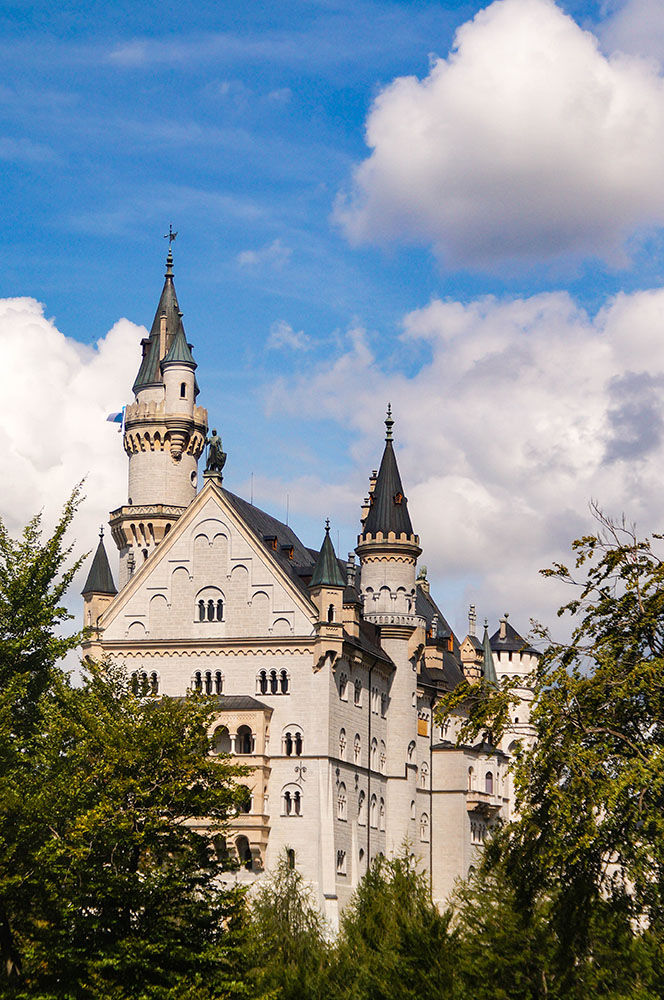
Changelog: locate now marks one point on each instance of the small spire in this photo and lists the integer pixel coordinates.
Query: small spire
(389, 423)
(488, 668)
(327, 525)
(101, 532)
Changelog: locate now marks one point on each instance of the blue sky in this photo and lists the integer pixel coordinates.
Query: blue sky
(311, 290)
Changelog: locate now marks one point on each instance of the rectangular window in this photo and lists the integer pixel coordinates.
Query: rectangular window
(422, 727)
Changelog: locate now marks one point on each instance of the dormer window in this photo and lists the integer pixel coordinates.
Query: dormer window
(398, 498)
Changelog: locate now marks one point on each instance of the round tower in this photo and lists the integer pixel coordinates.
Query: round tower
(164, 436)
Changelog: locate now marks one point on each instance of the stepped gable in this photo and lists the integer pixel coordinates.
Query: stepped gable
(100, 577)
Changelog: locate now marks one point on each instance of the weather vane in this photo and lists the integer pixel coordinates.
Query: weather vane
(170, 235)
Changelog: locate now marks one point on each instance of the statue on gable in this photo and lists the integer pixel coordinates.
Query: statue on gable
(216, 457)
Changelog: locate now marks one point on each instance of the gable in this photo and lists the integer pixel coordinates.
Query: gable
(210, 578)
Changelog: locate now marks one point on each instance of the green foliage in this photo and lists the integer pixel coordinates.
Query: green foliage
(394, 943)
(288, 935)
(106, 888)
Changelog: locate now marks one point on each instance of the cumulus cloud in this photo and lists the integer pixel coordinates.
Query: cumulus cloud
(56, 396)
(525, 411)
(525, 143)
(283, 335)
(637, 27)
(275, 255)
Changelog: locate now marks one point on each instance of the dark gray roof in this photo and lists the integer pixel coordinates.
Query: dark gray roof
(389, 507)
(426, 607)
(239, 703)
(180, 351)
(149, 372)
(326, 571)
(445, 678)
(100, 578)
(512, 643)
(488, 667)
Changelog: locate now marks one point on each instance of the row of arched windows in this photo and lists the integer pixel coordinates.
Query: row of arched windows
(377, 697)
(378, 761)
(141, 683)
(271, 682)
(241, 742)
(211, 611)
(208, 682)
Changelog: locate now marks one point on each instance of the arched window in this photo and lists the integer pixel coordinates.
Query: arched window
(198, 681)
(154, 683)
(262, 682)
(342, 744)
(373, 815)
(201, 611)
(383, 704)
(288, 744)
(411, 750)
(290, 857)
(471, 778)
(381, 815)
(341, 862)
(244, 852)
(412, 809)
(210, 610)
(383, 757)
(357, 694)
(357, 749)
(362, 809)
(222, 740)
(424, 774)
(246, 801)
(424, 828)
(361, 857)
(183, 390)
(343, 687)
(218, 682)
(330, 613)
(140, 685)
(244, 741)
(220, 610)
(488, 783)
(274, 682)
(283, 681)
(374, 754)
(342, 803)
(298, 744)
(208, 682)
(291, 800)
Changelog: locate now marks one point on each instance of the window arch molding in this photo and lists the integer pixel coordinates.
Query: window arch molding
(342, 803)
(209, 605)
(292, 740)
(291, 800)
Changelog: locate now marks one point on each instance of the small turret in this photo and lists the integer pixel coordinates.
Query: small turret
(326, 589)
(99, 589)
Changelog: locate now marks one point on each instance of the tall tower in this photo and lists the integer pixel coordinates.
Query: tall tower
(388, 550)
(164, 436)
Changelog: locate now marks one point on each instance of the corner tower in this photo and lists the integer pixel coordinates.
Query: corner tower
(164, 435)
(388, 549)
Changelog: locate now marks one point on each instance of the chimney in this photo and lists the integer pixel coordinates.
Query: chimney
(351, 569)
(503, 625)
(472, 620)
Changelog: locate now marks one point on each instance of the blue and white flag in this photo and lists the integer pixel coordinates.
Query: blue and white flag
(118, 418)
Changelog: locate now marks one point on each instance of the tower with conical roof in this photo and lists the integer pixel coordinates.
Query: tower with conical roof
(388, 550)
(164, 435)
(99, 589)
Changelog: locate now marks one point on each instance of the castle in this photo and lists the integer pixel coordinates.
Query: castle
(326, 674)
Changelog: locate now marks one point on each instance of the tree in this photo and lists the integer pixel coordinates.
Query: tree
(288, 933)
(589, 840)
(108, 888)
(394, 943)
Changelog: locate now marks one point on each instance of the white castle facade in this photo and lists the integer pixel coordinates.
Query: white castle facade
(326, 674)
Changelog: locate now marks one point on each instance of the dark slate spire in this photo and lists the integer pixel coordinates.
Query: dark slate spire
(100, 578)
(389, 507)
(326, 571)
(488, 667)
(150, 373)
(180, 351)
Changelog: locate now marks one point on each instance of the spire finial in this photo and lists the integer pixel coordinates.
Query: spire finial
(389, 423)
(101, 532)
(327, 525)
(170, 236)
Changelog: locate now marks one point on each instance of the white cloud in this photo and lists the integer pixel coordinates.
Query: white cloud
(526, 410)
(525, 143)
(282, 335)
(56, 396)
(275, 255)
(637, 27)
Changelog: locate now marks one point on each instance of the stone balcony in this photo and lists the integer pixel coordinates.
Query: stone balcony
(484, 804)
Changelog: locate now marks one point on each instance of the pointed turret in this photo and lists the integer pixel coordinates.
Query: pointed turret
(164, 437)
(388, 509)
(326, 588)
(99, 589)
(388, 548)
(488, 666)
